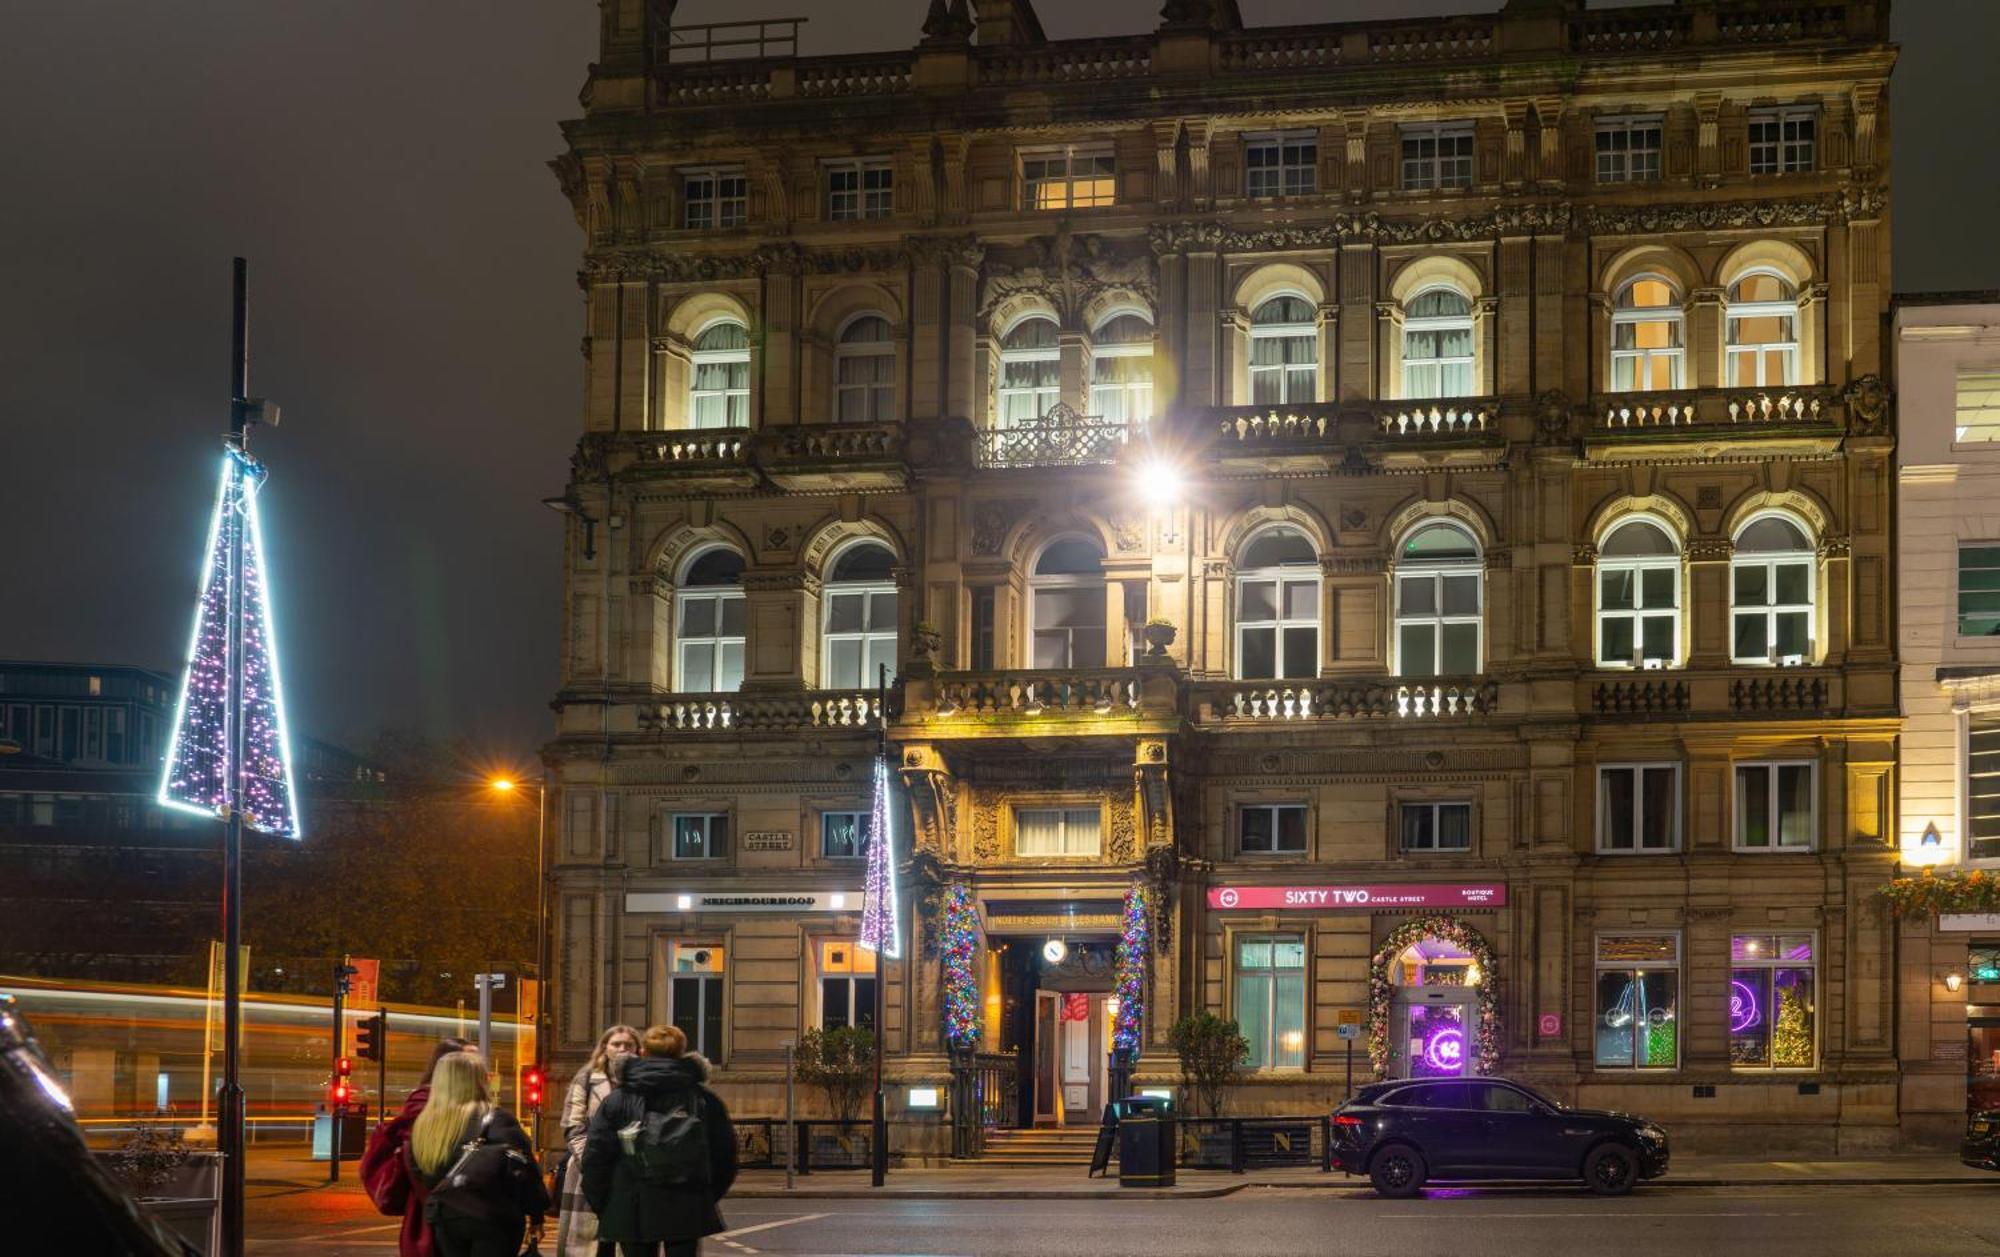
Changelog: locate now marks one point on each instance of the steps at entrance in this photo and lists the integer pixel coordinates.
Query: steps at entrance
(1042, 1146)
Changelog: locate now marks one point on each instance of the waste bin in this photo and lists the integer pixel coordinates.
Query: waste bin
(1145, 1141)
(353, 1134)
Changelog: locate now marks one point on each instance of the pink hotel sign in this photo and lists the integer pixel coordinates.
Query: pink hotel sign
(1362, 896)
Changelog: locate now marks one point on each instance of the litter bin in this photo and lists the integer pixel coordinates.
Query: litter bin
(1145, 1141)
(353, 1134)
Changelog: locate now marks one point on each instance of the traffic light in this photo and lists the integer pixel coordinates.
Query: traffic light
(531, 1088)
(342, 973)
(342, 1090)
(368, 1038)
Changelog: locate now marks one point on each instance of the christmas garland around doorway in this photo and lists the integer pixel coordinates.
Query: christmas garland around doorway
(1381, 994)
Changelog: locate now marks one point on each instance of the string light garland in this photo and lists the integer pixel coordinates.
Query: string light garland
(1381, 994)
(200, 753)
(959, 940)
(881, 931)
(1135, 945)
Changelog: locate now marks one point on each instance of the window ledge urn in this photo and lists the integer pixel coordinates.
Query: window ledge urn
(1159, 635)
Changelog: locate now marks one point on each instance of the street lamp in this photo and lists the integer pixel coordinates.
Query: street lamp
(505, 786)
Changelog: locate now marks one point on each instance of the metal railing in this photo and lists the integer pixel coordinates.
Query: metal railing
(1061, 438)
(754, 40)
(985, 1095)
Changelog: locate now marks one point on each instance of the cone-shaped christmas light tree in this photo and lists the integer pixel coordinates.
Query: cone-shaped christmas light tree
(880, 929)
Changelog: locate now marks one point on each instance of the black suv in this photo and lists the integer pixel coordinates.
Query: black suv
(1981, 1146)
(1402, 1133)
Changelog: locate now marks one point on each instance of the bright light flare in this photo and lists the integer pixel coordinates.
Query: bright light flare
(1161, 483)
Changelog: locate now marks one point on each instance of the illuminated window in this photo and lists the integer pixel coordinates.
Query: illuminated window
(1066, 607)
(1075, 177)
(1771, 592)
(1772, 1001)
(859, 189)
(719, 396)
(1271, 829)
(699, 835)
(1638, 807)
(1281, 164)
(1121, 369)
(1781, 141)
(1638, 597)
(846, 984)
(1637, 1024)
(864, 372)
(1628, 149)
(1438, 574)
(1775, 808)
(715, 198)
(1271, 999)
(1982, 785)
(860, 610)
(1647, 337)
(1277, 607)
(1437, 344)
(1437, 156)
(1284, 351)
(694, 995)
(1763, 331)
(844, 835)
(710, 611)
(1978, 406)
(1057, 831)
(1030, 372)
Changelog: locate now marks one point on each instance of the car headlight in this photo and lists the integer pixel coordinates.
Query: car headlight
(1652, 1134)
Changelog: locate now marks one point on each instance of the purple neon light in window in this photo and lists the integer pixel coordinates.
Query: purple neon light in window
(1743, 1010)
(1445, 1051)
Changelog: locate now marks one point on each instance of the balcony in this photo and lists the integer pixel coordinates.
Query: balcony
(1746, 693)
(1061, 438)
(1802, 418)
(1051, 701)
(1234, 703)
(695, 459)
(694, 714)
(1349, 436)
(859, 457)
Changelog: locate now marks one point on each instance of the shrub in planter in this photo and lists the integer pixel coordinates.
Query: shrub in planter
(841, 1064)
(1212, 1051)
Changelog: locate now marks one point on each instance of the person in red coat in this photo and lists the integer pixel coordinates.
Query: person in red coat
(383, 1171)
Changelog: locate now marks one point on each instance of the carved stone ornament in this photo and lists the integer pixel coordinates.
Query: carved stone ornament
(1584, 555)
(1811, 211)
(993, 519)
(1868, 404)
(1069, 272)
(673, 266)
(1710, 549)
(1552, 416)
(1128, 533)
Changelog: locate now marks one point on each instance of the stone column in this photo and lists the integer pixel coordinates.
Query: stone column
(1355, 269)
(928, 328)
(961, 368)
(775, 371)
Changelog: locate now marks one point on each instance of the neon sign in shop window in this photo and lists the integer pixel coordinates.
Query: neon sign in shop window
(1445, 1051)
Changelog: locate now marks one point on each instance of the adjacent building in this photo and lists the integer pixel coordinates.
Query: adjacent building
(1407, 505)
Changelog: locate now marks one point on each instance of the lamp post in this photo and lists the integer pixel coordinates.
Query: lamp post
(507, 786)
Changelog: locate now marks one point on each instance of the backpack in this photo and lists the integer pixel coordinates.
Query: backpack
(668, 1148)
(491, 1180)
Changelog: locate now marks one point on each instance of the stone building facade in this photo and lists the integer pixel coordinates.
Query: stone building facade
(1412, 498)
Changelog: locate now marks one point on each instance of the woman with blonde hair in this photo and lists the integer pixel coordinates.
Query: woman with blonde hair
(471, 1165)
(576, 1225)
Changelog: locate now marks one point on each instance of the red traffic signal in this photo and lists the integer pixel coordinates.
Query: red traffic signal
(341, 1092)
(343, 1065)
(531, 1088)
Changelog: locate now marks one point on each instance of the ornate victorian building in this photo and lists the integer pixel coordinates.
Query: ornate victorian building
(1401, 511)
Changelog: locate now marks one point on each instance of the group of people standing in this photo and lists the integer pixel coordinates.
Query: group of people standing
(649, 1153)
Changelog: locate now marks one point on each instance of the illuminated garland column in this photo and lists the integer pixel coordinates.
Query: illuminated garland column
(959, 943)
(1135, 945)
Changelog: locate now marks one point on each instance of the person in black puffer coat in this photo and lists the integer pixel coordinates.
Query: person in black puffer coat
(644, 1218)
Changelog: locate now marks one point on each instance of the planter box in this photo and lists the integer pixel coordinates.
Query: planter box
(188, 1201)
(839, 1150)
(197, 1221)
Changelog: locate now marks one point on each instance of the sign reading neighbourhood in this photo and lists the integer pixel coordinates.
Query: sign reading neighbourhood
(1362, 896)
(743, 901)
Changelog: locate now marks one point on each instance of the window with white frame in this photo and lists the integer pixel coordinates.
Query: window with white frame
(1074, 177)
(1638, 807)
(715, 198)
(1982, 784)
(1271, 999)
(846, 984)
(1271, 828)
(1781, 140)
(858, 189)
(1030, 371)
(1637, 1024)
(1648, 337)
(1057, 831)
(860, 617)
(1771, 592)
(1774, 806)
(1437, 155)
(1278, 164)
(1277, 607)
(1121, 369)
(1437, 344)
(699, 835)
(1066, 607)
(1638, 597)
(1425, 826)
(1763, 331)
(694, 995)
(719, 389)
(1628, 149)
(709, 611)
(1979, 589)
(1438, 575)
(864, 372)
(844, 835)
(1978, 406)
(1284, 351)
(1773, 1001)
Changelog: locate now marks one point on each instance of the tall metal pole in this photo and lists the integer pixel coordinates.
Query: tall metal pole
(878, 1134)
(229, 1108)
(336, 1112)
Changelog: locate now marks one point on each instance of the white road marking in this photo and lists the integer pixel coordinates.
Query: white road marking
(1574, 1213)
(765, 1226)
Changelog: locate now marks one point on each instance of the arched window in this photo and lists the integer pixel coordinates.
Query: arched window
(719, 396)
(1284, 351)
(710, 634)
(1121, 369)
(1066, 605)
(1638, 596)
(1437, 344)
(859, 617)
(1771, 592)
(1030, 372)
(1647, 337)
(1438, 573)
(864, 372)
(1277, 606)
(1763, 331)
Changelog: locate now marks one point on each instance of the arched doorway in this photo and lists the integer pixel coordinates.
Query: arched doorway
(1431, 1002)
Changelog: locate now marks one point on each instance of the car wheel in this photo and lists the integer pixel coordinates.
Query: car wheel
(1397, 1171)
(1610, 1169)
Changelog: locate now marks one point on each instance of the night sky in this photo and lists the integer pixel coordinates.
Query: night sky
(414, 311)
